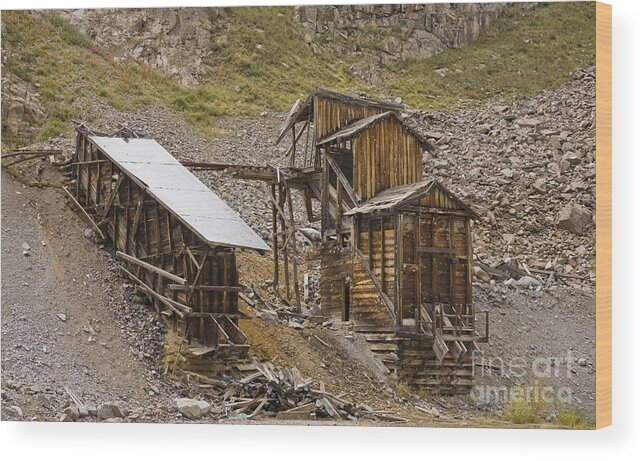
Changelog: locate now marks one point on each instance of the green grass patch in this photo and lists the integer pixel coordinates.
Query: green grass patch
(526, 405)
(573, 418)
(53, 127)
(525, 52)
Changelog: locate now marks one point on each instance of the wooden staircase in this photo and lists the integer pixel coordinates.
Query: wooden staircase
(437, 358)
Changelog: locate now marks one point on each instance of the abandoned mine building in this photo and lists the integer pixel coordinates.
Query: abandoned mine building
(175, 236)
(396, 251)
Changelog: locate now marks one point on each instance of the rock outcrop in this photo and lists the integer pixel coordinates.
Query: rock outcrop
(22, 111)
(383, 34)
(172, 40)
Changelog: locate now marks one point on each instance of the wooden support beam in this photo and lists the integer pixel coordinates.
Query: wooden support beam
(80, 207)
(293, 147)
(294, 247)
(174, 306)
(152, 268)
(89, 162)
(191, 255)
(77, 168)
(383, 254)
(310, 114)
(436, 250)
(418, 274)
(112, 196)
(198, 274)
(338, 208)
(342, 178)
(37, 153)
(221, 288)
(324, 192)
(398, 264)
(282, 201)
(275, 247)
(217, 315)
(89, 183)
(370, 243)
(279, 206)
(137, 220)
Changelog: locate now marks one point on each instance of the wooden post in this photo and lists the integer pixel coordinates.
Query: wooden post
(370, 243)
(383, 253)
(418, 275)
(89, 183)
(77, 167)
(294, 146)
(451, 265)
(324, 201)
(275, 244)
(293, 240)
(284, 240)
(398, 263)
(338, 211)
(310, 114)
(467, 229)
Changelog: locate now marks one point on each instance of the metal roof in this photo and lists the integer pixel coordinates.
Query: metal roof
(399, 196)
(357, 127)
(180, 191)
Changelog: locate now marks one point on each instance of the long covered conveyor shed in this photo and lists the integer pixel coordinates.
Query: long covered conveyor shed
(176, 237)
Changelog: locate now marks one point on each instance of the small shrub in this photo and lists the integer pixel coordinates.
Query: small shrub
(527, 407)
(52, 128)
(573, 418)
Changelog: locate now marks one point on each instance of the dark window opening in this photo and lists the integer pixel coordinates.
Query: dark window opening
(347, 298)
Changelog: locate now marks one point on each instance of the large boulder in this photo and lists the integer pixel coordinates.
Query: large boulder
(192, 408)
(574, 218)
(109, 411)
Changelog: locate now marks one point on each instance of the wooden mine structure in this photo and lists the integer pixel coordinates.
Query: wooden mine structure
(176, 237)
(396, 254)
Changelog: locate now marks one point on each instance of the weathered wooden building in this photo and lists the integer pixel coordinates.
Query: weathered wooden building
(176, 237)
(396, 256)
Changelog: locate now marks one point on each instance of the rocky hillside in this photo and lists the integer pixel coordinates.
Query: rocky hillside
(529, 169)
(205, 64)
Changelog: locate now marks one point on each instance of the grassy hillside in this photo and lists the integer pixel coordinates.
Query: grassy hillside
(524, 53)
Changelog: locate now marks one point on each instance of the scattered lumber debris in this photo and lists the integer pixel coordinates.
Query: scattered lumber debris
(23, 155)
(283, 393)
(505, 271)
(277, 309)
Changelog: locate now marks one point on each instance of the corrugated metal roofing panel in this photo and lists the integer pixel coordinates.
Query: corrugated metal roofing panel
(180, 191)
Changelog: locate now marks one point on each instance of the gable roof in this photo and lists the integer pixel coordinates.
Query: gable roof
(397, 197)
(351, 131)
(180, 191)
(299, 112)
